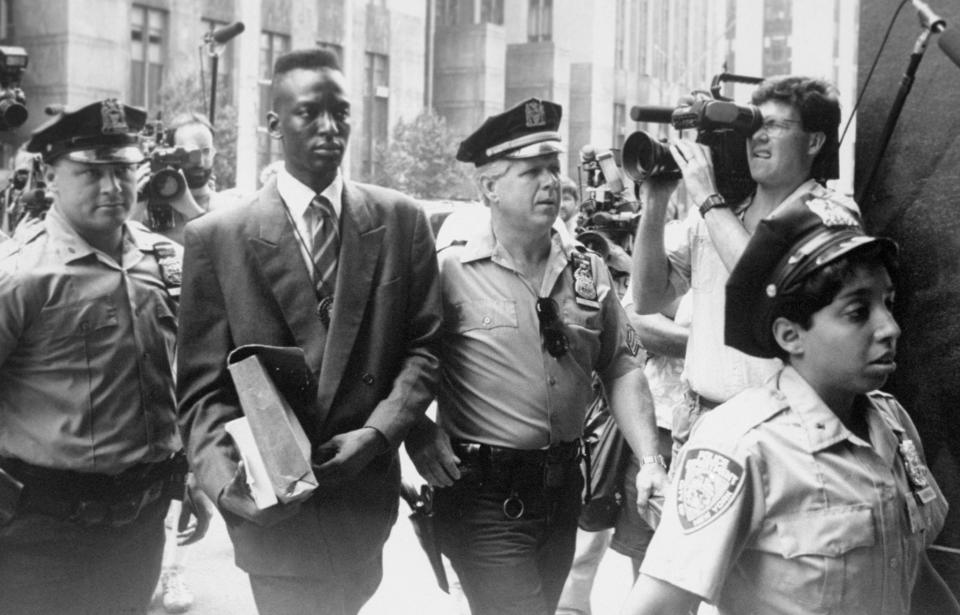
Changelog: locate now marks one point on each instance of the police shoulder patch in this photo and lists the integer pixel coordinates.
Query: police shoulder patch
(708, 484)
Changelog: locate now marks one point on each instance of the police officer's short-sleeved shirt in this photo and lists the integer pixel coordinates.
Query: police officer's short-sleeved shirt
(499, 384)
(776, 507)
(86, 350)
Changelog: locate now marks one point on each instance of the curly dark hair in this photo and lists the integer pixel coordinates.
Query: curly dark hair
(818, 103)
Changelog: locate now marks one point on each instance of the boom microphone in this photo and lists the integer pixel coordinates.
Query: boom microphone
(950, 44)
(649, 113)
(928, 18)
(224, 34)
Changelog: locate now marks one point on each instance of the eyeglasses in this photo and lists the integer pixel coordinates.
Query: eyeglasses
(551, 328)
(776, 128)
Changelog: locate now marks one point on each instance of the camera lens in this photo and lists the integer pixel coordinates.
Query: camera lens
(644, 156)
(12, 114)
(166, 184)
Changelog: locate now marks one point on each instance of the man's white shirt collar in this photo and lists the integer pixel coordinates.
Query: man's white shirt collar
(298, 195)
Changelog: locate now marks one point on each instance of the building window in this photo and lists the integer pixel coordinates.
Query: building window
(491, 11)
(271, 46)
(447, 12)
(148, 29)
(540, 21)
(376, 108)
(777, 26)
(620, 34)
(6, 20)
(642, 38)
(224, 64)
(619, 125)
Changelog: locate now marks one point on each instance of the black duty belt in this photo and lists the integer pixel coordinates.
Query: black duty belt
(476, 453)
(526, 477)
(95, 499)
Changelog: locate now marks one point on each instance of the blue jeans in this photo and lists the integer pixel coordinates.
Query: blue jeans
(509, 528)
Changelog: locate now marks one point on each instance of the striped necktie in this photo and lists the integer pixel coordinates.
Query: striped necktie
(325, 245)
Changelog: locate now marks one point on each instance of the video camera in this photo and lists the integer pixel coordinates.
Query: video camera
(609, 205)
(722, 125)
(165, 182)
(13, 102)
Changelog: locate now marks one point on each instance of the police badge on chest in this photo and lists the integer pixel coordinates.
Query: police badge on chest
(584, 284)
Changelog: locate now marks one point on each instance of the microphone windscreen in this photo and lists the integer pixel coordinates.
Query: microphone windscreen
(949, 43)
(224, 34)
(649, 113)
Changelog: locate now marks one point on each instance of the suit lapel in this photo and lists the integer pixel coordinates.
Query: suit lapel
(361, 238)
(275, 244)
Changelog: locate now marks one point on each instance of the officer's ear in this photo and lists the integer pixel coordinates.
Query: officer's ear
(488, 185)
(273, 125)
(788, 336)
(815, 143)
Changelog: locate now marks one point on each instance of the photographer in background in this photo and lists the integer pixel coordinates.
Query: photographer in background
(191, 132)
(789, 157)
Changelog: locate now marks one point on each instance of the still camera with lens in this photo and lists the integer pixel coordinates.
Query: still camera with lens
(13, 102)
(166, 181)
(609, 204)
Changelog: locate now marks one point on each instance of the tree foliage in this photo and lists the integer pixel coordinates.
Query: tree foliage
(188, 94)
(421, 160)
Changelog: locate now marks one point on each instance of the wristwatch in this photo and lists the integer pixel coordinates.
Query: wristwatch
(714, 200)
(648, 459)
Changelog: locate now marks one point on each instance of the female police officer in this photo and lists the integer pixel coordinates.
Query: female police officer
(809, 494)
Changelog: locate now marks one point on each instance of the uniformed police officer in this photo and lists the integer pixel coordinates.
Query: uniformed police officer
(87, 411)
(529, 317)
(809, 494)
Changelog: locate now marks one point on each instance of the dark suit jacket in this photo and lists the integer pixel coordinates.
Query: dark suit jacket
(245, 282)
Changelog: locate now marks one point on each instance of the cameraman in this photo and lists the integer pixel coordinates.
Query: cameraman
(192, 132)
(789, 156)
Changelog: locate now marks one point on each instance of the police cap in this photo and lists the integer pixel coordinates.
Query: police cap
(795, 241)
(527, 130)
(103, 132)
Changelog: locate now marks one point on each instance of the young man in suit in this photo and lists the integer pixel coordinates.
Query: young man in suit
(367, 321)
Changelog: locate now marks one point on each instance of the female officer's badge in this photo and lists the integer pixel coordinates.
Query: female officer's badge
(709, 481)
(916, 471)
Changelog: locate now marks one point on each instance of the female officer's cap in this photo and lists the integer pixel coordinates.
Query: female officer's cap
(795, 241)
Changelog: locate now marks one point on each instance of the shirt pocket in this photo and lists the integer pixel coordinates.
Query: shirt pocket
(490, 314)
(812, 554)
(76, 321)
(62, 335)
